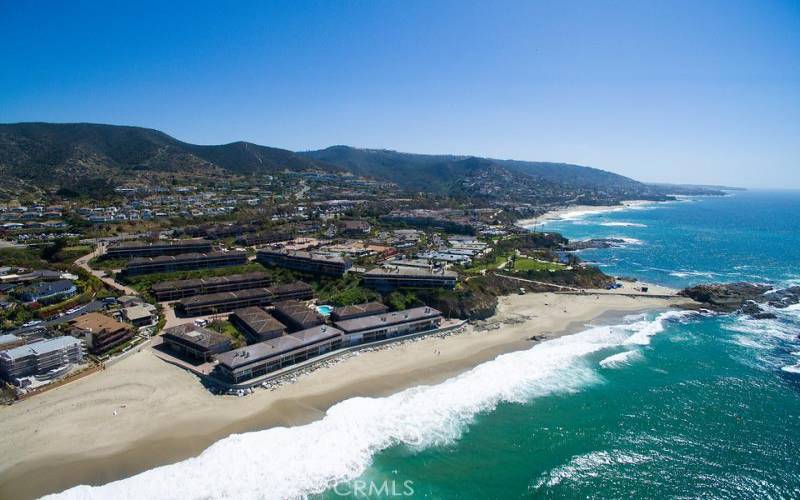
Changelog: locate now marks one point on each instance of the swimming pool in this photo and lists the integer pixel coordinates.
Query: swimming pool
(325, 310)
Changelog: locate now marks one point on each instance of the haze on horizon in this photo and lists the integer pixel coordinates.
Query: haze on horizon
(687, 92)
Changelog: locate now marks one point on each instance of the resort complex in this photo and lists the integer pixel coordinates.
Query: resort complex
(244, 279)
(288, 333)
(271, 295)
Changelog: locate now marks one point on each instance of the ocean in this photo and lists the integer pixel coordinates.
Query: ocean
(663, 404)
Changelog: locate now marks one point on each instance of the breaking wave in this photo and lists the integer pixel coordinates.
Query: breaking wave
(299, 461)
(590, 464)
(792, 368)
(627, 241)
(622, 224)
(621, 359)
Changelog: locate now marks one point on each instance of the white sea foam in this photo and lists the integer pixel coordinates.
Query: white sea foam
(686, 274)
(628, 241)
(746, 341)
(589, 464)
(580, 214)
(621, 359)
(792, 368)
(766, 340)
(623, 224)
(643, 330)
(298, 461)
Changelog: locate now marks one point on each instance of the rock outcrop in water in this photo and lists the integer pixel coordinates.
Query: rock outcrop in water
(744, 298)
(594, 243)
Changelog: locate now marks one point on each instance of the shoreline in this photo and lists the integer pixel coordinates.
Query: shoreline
(573, 211)
(142, 413)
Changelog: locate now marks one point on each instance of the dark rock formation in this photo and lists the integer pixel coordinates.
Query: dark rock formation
(744, 298)
(754, 311)
(594, 243)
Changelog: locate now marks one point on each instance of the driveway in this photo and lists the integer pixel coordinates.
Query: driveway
(83, 262)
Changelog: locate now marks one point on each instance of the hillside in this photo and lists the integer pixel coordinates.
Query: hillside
(520, 180)
(91, 159)
(77, 155)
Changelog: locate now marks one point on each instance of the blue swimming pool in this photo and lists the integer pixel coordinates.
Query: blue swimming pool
(325, 310)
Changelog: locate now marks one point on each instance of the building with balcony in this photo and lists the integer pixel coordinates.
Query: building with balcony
(216, 303)
(178, 289)
(127, 249)
(261, 358)
(307, 262)
(196, 342)
(101, 333)
(183, 262)
(390, 278)
(388, 325)
(42, 359)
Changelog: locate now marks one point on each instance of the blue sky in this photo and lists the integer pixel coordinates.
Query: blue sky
(694, 91)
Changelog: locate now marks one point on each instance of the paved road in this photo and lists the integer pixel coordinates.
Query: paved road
(560, 287)
(93, 306)
(83, 262)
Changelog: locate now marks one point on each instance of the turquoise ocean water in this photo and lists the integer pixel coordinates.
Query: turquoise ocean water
(710, 407)
(665, 404)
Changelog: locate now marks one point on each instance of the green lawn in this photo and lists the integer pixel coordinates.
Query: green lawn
(226, 328)
(497, 262)
(525, 264)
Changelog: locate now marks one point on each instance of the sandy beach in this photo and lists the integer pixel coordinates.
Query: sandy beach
(142, 412)
(575, 211)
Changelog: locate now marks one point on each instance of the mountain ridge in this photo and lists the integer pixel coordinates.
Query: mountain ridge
(90, 158)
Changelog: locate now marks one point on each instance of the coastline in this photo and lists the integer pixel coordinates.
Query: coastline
(576, 211)
(142, 412)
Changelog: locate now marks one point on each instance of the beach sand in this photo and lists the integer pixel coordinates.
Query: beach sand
(574, 211)
(142, 412)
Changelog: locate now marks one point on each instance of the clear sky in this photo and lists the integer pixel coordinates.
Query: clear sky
(694, 91)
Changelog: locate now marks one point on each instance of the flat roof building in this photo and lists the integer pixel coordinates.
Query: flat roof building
(257, 324)
(183, 262)
(390, 278)
(195, 341)
(178, 289)
(357, 311)
(126, 249)
(102, 333)
(264, 238)
(388, 325)
(47, 357)
(308, 262)
(228, 301)
(259, 359)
